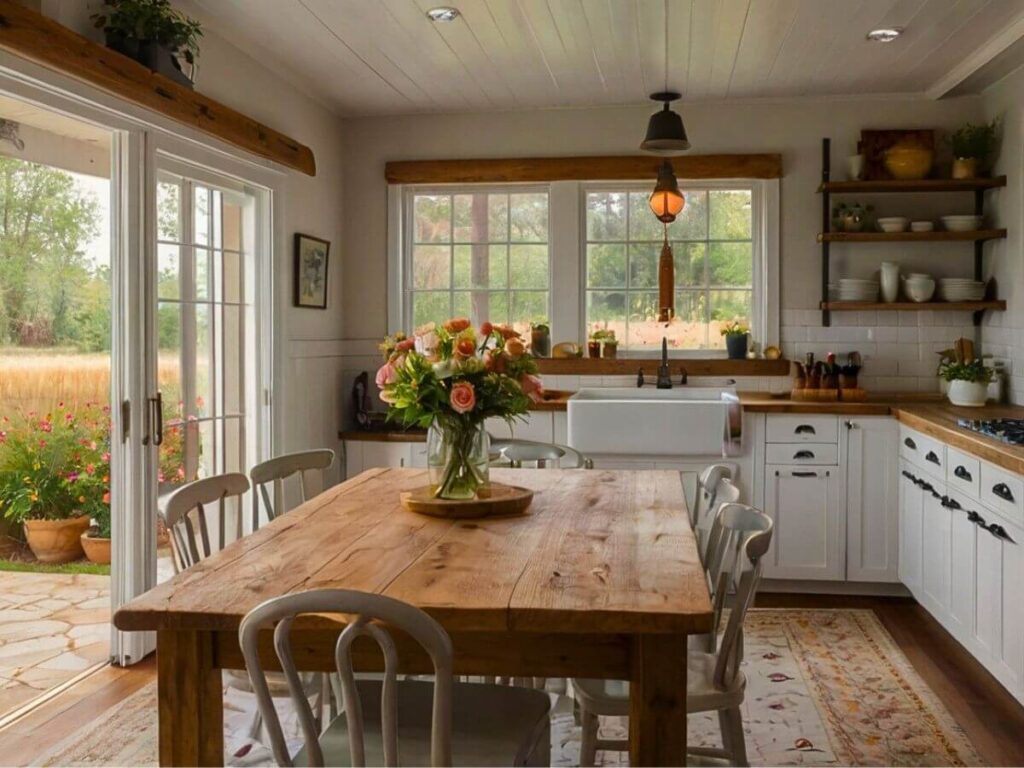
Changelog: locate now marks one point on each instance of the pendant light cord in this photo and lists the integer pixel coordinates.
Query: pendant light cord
(666, 45)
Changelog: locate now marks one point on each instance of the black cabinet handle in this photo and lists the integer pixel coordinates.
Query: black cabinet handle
(962, 473)
(949, 503)
(804, 429)
(803, 455)
(910, 443)
(926, 486)
(1002, 490)
(804, 474)
(1000, 533)
(907, 475)
(974, 517)
(930, 456)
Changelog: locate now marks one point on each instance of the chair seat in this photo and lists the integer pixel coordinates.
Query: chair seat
(492, 725)
(611, 697)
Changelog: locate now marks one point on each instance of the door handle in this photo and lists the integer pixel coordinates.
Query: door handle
(803, 455)
(962, 473)
(850, 424)
(804, 474)
(930, 456)
(804, 429)
(1002, 490)
(156, 420)
(910, 443)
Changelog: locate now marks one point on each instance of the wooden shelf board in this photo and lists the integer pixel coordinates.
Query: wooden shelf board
(37, 38)
(910, 306)
(920, 185)
(628, 366)
(911, 237)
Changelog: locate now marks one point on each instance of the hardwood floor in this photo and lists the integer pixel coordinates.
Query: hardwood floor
(992, 719)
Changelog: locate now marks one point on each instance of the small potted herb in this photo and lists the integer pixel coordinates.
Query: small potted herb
(540, 339)
(152, 33)
(737, 338)
(973, 146)
(968, 382)
(611, 346)
(96, 540)
(597, 337)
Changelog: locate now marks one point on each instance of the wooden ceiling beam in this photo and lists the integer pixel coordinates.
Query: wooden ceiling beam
(607, 168)
(43, 41)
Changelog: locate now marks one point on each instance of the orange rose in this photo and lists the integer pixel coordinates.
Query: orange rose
(486, 329)
(463, 397)
(457, 324)
(465, 348)
(515, 348)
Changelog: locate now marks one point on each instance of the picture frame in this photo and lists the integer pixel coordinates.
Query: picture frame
(311, 260)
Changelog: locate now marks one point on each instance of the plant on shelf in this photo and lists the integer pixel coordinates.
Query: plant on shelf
(152, 33)
(540, 338)
(450, 378)
(737, 337)
(973, 147)
(55, 477)
(968, 381)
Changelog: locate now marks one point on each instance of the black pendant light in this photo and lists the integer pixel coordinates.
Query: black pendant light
(666, 134)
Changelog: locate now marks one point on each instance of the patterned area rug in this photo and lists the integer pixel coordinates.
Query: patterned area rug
(825, 687)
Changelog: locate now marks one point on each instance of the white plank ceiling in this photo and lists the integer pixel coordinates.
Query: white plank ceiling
(367, 57)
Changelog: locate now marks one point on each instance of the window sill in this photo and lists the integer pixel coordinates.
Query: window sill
(720, 366)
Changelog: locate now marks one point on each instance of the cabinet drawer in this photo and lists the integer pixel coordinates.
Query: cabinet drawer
(963, 472)
(924, 452)
(802, 453)
(802, 428)
(1003, 491)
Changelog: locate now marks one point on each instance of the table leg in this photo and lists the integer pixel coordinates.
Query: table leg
(190, 699)
(657, 700)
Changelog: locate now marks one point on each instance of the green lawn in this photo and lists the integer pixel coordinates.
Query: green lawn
(76, 567)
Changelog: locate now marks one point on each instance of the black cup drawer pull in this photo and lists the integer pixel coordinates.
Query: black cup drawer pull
(930, 456)
(805, 474)
(803, 455)
(926, 486)
(974, 517)
(1002, 490)
(804, 429)
(949, 503)
(1000, 533)
(910, 443)
(962, 473)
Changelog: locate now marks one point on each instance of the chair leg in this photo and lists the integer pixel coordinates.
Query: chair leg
(588, 740)
(256, 726)
(733, 739)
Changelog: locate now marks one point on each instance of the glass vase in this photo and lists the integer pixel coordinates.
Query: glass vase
(458, 459)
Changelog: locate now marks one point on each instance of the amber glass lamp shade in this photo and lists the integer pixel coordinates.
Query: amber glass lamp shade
(666, 200)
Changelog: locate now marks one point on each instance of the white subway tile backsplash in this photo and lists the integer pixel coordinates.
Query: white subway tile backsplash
(908, 334)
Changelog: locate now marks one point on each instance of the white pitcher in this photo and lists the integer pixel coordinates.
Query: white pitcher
(889, 281)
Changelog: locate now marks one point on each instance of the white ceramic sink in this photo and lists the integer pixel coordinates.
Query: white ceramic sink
(685, 421)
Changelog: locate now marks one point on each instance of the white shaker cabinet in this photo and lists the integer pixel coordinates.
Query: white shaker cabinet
(872, 490)
(999, 612)
(911, 501)
(806, 504)
(936, 547)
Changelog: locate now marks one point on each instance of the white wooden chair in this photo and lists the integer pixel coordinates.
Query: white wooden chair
(308, 465)
(540, 455)
(197, 497)
(409, 721)
(724, 492)
(740, 537)
(707, 488)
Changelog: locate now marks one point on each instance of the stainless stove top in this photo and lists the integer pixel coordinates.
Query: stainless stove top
(1009, 431)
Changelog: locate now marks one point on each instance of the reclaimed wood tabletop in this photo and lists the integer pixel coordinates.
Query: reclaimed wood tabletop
(599, 578)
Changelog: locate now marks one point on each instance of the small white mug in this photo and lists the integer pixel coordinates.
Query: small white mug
(855, 166)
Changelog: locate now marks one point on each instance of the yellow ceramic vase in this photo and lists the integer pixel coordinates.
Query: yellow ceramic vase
(908, 162)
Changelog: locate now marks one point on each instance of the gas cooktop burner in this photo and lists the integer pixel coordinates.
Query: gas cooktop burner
(1006, 430)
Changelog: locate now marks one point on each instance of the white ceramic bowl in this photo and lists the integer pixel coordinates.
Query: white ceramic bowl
(919, 291)
(892, 223)
(961, 223)
(922, 226)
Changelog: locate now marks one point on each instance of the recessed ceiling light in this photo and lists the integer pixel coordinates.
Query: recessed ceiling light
(885, 34)
(443, 13)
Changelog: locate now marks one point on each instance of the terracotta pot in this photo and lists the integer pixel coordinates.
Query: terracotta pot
(96, 549)
(610, 350)
(965, 168)
(56, 541)
(594, 348)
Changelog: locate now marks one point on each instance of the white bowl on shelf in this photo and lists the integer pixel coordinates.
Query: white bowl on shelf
(919, 289)
(962, 223)
(892, 223)
(922, 226)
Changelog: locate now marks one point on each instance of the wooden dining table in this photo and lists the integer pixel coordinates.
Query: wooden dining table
(599, 578)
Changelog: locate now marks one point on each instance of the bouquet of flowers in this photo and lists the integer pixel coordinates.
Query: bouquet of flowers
(449, 378)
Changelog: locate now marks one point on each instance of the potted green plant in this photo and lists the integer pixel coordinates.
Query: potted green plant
(54, 475)
(540, 339)
(737, 338)
(152, 33)
(968, 382)
(610, 348)
(973, 146)
(596, 338)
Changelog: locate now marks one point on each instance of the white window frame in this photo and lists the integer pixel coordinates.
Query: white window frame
(406, 229)
(567, 248)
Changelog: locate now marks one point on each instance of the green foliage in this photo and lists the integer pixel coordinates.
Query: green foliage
(974, 141)
(974, 371)
(735, 328)
(56, 466)
(151, 20)
(36, 567)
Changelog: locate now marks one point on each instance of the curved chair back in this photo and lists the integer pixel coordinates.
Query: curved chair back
(740, 536)
(516, 452)
(725, 492)
(368, 612)
(707, 488)
(197, 497)
(308, 465)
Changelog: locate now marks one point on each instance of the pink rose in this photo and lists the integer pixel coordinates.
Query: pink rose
(405, 345)
(532, 387)
(463, 397)
(386, 374)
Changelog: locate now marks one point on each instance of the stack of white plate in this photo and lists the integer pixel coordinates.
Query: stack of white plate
(961, 289)
(855, 289)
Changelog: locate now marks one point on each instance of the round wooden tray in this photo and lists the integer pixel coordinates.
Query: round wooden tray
(500, 500)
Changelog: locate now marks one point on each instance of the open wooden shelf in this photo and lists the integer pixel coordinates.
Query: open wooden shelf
(911, 306)
(938, 236)
(918, 185)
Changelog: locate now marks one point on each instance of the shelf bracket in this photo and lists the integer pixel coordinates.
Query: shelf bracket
(826, 225)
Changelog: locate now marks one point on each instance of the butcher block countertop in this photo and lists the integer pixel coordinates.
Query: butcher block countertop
(939, 421)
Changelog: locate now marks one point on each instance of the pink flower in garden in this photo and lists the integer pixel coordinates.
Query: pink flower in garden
(3, 436)
(181, 473)
(386, 375)
(42, 443)
(106, 497)
(532, 387)
(106, 456)
(463, 397)
(45, 426)
(90, 469)
(72, 476)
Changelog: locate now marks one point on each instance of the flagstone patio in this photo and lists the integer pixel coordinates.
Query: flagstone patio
(52, 627)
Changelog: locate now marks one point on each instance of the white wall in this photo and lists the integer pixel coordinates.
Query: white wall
(900, 356)
(311, 344)
(1003, 333)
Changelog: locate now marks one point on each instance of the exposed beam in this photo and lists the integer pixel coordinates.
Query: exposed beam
(985, 54)
(39, 39)
(497, 170)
